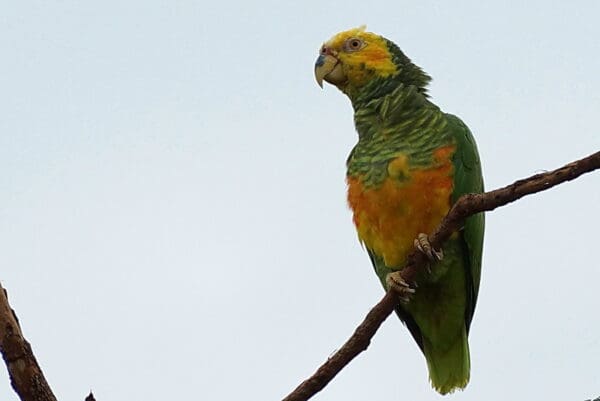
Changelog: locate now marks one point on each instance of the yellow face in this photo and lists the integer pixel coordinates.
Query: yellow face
(352, 58)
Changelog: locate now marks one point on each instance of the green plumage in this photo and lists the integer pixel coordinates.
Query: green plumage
(440, 313)
(411, 162)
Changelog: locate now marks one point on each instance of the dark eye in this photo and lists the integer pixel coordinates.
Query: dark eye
(354, 44)
(323, 50)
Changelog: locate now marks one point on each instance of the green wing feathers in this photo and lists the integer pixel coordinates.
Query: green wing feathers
(448, 361)
(439, 315)
(468, 178)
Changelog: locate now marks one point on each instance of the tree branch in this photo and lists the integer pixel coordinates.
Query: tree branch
(26, 376)
(466, 206)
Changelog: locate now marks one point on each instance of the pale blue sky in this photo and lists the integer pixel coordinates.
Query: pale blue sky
(173, 220)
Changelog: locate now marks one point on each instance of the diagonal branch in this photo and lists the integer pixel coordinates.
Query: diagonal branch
(25, 374)
(466, 206)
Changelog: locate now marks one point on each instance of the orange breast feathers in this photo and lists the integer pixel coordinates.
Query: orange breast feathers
(388, 217)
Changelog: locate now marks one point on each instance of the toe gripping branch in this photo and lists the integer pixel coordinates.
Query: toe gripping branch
(396, 280)
(423, 245)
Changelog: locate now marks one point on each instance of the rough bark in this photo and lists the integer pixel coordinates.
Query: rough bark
(26, 376)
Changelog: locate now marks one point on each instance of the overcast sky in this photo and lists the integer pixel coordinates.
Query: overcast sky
(173, 222)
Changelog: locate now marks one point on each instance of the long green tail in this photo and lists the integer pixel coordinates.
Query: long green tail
(449, 367)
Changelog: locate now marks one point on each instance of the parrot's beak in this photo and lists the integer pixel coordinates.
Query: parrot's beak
(329, 68)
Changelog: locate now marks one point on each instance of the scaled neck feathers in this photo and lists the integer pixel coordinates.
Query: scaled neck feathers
(407, 75)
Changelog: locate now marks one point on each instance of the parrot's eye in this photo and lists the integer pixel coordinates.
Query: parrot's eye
(323, 50)
(353, 44)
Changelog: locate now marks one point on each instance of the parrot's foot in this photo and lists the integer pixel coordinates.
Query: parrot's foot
(396, 283)
(423, 245)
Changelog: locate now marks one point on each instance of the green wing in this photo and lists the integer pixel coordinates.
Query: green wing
(468, 178)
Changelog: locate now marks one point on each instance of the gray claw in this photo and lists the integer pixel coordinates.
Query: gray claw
(396, 283)
(424, 246)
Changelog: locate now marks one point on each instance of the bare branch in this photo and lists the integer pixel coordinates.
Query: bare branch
(26, 376)
(466, 206)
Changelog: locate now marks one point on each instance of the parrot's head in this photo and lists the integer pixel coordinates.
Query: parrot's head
(365, 65)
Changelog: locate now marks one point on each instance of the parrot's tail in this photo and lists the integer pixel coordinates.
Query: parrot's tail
(449, 368)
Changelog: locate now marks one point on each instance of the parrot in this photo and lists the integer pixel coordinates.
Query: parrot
(411, 163)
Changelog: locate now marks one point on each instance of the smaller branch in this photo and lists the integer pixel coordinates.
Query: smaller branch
(470, 204)
(466, 206)
(357, 343)
(26, 376)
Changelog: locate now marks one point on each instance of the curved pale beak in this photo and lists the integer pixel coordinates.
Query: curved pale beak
(328, 68)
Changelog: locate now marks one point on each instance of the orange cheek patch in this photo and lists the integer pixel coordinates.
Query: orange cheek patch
(389, 217)
(373, 59)
(380, 60)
